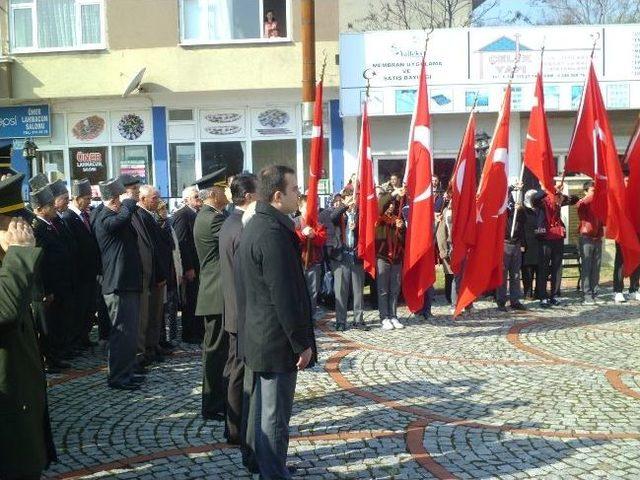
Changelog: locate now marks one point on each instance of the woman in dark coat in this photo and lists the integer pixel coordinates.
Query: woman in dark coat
(530, 255)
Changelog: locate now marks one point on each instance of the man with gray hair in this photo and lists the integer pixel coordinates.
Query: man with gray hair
(183, 221)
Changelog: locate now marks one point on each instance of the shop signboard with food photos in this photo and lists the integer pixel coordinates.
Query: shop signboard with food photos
(131, 126)
(87, 128)
(89, 162)
(222, 124)
(273, 122)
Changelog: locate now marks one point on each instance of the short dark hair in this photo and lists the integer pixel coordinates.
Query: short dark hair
(302, 198)
(272, 179)
(241, 185)
(587, 185)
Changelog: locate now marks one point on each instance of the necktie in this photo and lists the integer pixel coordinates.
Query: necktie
(85, 218)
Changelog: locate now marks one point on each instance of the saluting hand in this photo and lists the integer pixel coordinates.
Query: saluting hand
(305, 358)
(18, 233)
(308, 232)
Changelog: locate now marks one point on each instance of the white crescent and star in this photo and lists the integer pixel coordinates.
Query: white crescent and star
(460, 175)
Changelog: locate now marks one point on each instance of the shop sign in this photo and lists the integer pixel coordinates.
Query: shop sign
(87, 128)
(131, 126)
(25, 121)
(273, 122)
(222, 124)
(91, 163)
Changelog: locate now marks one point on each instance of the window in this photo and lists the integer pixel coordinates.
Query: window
(133, 160)
(216, 155)
(180, 115)
(182, 160)
(56, 24)
(52, 162)
(228, 21)
(273, 152)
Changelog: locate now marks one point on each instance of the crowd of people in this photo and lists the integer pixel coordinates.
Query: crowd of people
(245, 271)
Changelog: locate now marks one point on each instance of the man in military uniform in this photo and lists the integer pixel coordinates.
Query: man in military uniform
(210, 300)
(121, 282)
(55, 312)
(87, 261)
(183, 220)
(26, 444)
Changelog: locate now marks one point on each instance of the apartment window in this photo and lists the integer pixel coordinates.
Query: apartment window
(56, 24)
(228, 21)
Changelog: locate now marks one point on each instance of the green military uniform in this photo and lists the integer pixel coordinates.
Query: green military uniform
(210, 303)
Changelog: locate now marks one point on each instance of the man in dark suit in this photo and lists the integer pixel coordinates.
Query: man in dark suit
(26, 444)
(87, 261)
(243, 193)
(121, 282)
(56, 274)
(210, 300)
(183, 220)
(147, 208)
(278, 337)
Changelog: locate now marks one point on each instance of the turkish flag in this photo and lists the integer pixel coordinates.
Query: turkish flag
(315, 163)
(633, 188)
(538, 155)
(367, 201)
(593, 153)
(463, 198)
(483, 270)
(418, 268)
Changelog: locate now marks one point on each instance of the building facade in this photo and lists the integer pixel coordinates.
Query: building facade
(167, 89)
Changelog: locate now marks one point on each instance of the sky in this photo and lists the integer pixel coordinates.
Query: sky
(505, 9)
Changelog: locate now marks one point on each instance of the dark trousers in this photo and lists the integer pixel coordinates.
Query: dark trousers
(388, 288)
(104, 322)
(170, 330)
(348, 276)
(528, 277)
(247, 426)
(590, 258)
(124, 309)
(618, 276)
(85, 311)
(312, 276)
(58, 324)
(511, 272)
(192, 325)
(273, 402)
(550, 257)
(448, 287)
(214, 357)
(234, 376)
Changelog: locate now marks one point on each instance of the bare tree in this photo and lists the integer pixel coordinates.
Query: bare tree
(554, 12)
(422, 14)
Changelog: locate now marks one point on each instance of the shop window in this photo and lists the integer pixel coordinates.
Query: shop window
(133, 160)
(56, 24)
(182, 161)
(216, 155)
(89, 162)
(390, 166)
(325, 175)
(52, 164)
(273, 152)
(222, 21)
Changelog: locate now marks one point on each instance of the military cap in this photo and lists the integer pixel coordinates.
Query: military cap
(217, 178)
(81, 188)
(111, 188)
(129, 180)
(11, 202)
(38, 182)
(42, 197)
(58, 188)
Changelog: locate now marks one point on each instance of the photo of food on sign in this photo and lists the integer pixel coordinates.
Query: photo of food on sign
(131, 126)
(88, 128)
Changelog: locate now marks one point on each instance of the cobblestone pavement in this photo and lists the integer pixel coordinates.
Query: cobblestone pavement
(543, 394)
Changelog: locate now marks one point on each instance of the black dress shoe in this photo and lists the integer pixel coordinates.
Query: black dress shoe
(167, 345)
(341, 327)
(124, 386)
(55, 363)
(137, 379)
(163, 352)
(89, 343)
(518, 306)
(554, 303)
(139, 370)
(51, 370)
(362, 326)
(502, 308)
(216, 417)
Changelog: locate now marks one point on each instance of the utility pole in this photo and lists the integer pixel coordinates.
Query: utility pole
(308, 58)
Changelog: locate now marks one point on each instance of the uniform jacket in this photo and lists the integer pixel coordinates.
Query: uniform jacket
(121, 264)
(183, 221)
(57, 266)
(229, 242)
(87, 252)
(26, 445)
(278, 309)
(206, 233)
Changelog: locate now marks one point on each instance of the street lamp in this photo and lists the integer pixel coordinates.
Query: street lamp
(29, 152)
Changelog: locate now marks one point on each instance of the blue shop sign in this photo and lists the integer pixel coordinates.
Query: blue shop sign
(25, 121)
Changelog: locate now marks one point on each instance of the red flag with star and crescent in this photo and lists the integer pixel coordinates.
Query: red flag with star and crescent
(463, 198)
(593, 153)
(538, 155)
(367, 201)
(418, 268)
(483, 270)
(315, 163)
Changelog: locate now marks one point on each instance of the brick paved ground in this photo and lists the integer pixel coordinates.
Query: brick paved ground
(544, 394)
